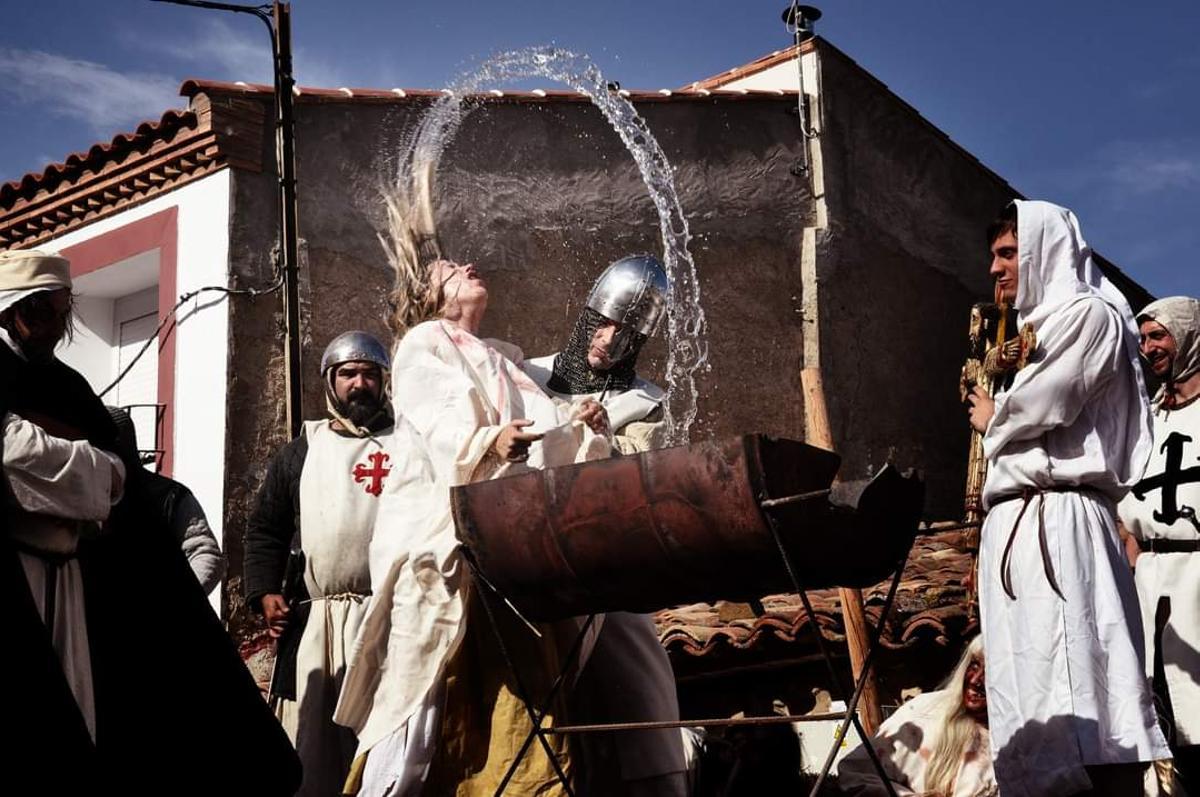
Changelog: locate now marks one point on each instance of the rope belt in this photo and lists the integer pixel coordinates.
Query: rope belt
(1026, 495)
(328, 600)
(1159, 545)
(357, 597)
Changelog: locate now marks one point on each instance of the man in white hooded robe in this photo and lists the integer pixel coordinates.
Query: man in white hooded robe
(1065, 442)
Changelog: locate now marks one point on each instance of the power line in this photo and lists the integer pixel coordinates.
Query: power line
(184, 299)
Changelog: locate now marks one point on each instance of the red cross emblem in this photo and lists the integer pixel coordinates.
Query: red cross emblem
(375, 473)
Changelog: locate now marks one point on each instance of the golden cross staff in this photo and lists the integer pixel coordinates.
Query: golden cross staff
(991, 359)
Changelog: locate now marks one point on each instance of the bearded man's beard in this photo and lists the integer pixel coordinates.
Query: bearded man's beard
(361, 407)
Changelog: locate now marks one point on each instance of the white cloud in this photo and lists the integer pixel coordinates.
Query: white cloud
(1121, 170)
(101, 97)
(1153, 168)
(223, 49)
(232, 52)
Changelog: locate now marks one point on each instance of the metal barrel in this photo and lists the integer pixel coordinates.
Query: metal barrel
(680, 525)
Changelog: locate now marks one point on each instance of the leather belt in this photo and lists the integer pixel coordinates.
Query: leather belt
(1026, 496)
(1159, 545)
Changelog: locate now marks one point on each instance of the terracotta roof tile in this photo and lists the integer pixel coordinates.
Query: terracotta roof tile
(930, 604)
(50, 177)
(304, 94)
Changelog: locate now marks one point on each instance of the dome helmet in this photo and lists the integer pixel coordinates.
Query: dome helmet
(355, 346)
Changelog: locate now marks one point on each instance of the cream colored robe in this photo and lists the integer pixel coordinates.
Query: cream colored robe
(67, 483)
(452, 393)
(338, 506)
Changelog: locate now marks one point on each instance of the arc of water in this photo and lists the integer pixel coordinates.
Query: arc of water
(687, 350)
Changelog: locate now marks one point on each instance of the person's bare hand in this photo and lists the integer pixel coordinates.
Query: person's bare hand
(593, 414)
(981, 409)
(1130, 544)
(276, 611)
(513, 444)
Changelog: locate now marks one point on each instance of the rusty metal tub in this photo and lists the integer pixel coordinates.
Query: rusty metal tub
(679, 525)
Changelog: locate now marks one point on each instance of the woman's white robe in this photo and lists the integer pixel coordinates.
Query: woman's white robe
(453, 393)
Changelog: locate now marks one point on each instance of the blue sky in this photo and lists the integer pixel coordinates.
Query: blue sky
(1093, 105)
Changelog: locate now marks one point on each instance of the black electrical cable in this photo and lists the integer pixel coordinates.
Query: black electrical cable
(184, 299)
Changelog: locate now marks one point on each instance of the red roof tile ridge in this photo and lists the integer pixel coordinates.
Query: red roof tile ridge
(193, 86)
(117, 150)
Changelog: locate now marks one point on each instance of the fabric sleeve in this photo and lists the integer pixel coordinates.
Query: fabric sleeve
(442, 402)
(197, 540)
(273, 524)
(50, 475)
(1079, 355)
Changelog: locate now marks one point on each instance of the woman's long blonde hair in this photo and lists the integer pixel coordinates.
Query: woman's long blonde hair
(959, 729)
(411, 244)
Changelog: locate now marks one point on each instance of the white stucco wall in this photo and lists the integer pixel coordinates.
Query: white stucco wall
(780, 77)
(201, 333)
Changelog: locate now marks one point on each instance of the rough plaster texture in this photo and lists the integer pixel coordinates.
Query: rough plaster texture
(541, 197)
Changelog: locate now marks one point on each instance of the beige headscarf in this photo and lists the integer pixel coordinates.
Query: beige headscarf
(1179, 315)
(24, 272)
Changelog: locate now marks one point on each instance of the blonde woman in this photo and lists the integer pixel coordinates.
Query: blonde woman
(432, 701)
(935, 745)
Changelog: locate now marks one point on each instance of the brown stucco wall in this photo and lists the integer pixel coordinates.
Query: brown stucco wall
(898, 268)
(901, 262)
(541, 196)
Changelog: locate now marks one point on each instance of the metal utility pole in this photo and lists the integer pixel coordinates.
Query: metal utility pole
(289, 236)
(279, 25)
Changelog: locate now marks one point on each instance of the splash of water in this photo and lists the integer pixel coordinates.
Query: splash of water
(687, 350)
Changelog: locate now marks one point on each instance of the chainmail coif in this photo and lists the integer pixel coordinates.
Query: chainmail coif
(573, 376)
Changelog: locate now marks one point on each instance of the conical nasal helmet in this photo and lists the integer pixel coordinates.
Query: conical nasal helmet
(633, 292)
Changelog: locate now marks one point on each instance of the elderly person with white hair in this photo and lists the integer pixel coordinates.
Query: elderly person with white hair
(935, 744)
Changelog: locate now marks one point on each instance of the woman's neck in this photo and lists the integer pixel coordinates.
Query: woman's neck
(466, 317)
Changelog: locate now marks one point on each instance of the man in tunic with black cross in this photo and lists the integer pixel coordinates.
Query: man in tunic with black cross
(318, 506)
(1160, 515)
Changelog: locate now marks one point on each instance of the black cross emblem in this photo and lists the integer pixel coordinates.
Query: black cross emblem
(1169, 480)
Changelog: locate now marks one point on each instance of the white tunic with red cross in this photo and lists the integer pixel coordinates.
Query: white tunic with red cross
(340, 485)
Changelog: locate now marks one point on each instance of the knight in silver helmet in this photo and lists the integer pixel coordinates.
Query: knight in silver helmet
(623, 310)
(306, 551)
(360, 407)
(628, 677)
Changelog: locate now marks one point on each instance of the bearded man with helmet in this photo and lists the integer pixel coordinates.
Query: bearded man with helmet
(311, 529)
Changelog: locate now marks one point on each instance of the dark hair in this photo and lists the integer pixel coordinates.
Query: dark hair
(37, 309)
(1006, 221)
